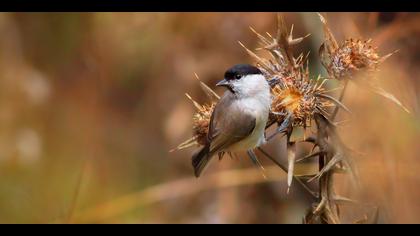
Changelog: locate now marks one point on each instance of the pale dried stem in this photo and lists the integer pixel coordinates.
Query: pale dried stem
(175, 189)
(296, 178)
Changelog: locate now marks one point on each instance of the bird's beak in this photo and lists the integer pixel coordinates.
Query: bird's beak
(224, 83)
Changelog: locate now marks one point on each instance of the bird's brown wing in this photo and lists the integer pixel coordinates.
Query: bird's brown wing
(228, 125)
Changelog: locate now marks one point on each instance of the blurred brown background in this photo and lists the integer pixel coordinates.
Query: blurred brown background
(91, 103)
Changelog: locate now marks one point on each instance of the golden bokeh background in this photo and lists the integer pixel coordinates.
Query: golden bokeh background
(91, 104)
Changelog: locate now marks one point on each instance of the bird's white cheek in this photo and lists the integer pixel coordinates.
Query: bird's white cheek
(253, 85)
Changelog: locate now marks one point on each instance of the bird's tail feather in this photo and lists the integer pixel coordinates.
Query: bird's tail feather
(201, 159)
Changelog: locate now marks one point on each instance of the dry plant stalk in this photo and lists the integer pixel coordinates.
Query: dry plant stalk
(300, 102)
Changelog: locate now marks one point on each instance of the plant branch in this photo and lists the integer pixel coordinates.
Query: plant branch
(302, 183)
(340, 99)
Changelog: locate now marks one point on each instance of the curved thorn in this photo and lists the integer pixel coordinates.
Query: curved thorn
(308, 156)
(327, 167)
(256, 162)
(342, 200)
(332, 99)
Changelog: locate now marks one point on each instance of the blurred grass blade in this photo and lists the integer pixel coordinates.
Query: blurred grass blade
(388, 96)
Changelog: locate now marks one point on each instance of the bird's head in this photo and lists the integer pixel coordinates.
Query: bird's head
(244, 80)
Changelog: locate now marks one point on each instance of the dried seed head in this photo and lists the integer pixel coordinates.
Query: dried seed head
(300, 99)
(201, 122)
(351, 57)
(201, 119)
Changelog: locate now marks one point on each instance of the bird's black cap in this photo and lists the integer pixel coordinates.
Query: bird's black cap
(238, 71)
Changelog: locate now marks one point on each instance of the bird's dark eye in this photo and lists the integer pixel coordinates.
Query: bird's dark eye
(238, 76)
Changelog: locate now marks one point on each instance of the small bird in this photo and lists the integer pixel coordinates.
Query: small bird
(239, 118)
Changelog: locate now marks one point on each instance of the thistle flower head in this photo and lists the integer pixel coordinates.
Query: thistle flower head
(351, 57)
(301, 99)
(347, 60)
(344, 61)
(201, 122)
(201, 119)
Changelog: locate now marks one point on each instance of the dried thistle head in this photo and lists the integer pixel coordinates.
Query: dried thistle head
(344, 61)
(351, 57)
(300, 98)
(201, 122)
(201, 119)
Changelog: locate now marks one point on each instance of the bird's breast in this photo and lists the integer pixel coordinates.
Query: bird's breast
(259, 110)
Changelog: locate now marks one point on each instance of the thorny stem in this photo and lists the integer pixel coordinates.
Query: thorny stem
(323, 186)
(330, 212)
(340, 99)
(321, 164)
(303, 184)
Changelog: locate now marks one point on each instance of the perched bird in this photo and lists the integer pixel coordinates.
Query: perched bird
(239, 118)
